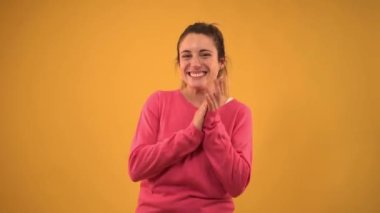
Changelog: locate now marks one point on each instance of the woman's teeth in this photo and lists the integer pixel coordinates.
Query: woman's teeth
(197, 74)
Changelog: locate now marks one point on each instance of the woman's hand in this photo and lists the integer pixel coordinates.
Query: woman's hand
(217, 98)
(213, 100)
(199, 115)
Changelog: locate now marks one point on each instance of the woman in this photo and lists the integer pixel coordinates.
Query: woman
(193, 146)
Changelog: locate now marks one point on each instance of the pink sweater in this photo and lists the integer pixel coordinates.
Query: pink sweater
(183, 169)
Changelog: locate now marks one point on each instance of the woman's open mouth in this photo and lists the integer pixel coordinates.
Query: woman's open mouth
(197, 74)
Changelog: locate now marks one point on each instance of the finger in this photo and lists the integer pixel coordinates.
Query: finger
(223, 86)
(209, 106)
(215, 101)
(217, 92)
(210, 101)
(204, 106)
(218, 89)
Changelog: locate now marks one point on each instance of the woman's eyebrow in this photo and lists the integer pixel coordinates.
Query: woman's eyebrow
(185, 51)
(205, 50)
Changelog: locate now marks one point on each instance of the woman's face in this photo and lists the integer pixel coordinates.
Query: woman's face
(198, 61)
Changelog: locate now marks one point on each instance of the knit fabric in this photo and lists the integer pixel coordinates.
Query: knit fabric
(183, 169)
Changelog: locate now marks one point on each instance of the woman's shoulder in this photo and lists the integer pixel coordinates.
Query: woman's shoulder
(233, 102)
(162, 95)
(237, 106)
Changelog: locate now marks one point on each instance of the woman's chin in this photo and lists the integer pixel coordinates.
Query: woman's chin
(197, 86)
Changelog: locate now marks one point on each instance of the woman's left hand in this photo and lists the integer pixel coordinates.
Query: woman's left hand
(217, 98)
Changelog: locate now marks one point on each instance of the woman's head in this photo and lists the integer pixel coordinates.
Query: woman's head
(201, 55)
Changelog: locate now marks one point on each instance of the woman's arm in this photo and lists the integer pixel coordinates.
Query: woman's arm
(230, 157)
(148, 156)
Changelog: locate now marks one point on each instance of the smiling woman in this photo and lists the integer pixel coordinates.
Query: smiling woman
(201, 44)
(199, 61)
(192, 149)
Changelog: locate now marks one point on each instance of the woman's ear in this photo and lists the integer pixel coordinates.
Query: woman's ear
(222, 63)
(221, 73)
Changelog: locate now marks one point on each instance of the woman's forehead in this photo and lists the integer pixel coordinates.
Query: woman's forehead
(197, 42)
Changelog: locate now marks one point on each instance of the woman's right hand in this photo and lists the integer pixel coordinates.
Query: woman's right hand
(199, 115)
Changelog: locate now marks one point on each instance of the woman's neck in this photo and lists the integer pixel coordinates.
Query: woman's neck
(194, 96)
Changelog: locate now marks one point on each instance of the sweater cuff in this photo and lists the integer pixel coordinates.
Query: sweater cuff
(211, 119)
(194, 133)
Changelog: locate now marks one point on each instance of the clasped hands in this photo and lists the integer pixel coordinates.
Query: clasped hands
(214, 98)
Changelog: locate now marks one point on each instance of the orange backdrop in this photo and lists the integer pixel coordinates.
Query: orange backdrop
(75, 74)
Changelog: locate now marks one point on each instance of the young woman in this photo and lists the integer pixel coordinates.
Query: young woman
(192, 150)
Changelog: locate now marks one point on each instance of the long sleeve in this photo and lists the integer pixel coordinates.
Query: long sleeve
(230, 156)
(149, 156)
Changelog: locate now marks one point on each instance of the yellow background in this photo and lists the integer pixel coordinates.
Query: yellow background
(75, 74)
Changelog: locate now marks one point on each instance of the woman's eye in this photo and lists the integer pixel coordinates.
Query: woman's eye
(206, 55)
(186, 56)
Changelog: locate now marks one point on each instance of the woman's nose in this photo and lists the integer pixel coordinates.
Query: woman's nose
(195, 62)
